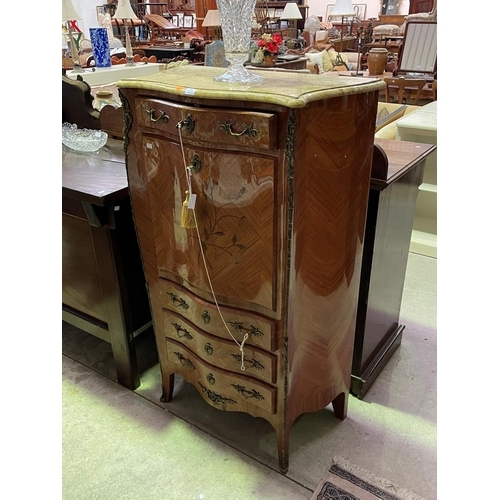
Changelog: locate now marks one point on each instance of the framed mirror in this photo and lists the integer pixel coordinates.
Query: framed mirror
(419, 48)
(389, 7)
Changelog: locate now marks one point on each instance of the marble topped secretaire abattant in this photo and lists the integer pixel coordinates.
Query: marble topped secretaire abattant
(254, 302)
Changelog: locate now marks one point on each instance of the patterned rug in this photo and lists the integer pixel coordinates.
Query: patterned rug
(346, 481)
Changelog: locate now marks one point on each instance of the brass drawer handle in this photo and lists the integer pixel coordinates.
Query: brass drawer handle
(248, 130)
(184, 361)
(238, 326)
(182, 332)
(216, 399)
(255, 364)
(174, 299)
(248, 394)
(163, 116)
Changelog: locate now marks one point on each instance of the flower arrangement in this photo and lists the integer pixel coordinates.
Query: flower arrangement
(269, 45)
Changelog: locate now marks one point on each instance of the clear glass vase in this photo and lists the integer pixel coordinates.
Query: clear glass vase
(236, 23)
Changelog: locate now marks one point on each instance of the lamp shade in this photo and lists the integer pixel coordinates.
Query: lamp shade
(124, 10)
(343, 8)
(312, 24)
(212, 19)
(68, 11)
(291, 11)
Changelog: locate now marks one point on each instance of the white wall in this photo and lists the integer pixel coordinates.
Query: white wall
(318, 7)
(87, 10)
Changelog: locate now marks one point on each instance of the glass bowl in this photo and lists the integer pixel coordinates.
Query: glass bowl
(84, 139)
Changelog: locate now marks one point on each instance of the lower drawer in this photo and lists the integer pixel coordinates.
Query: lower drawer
(223, 353)
(224, 390)
(261, 332)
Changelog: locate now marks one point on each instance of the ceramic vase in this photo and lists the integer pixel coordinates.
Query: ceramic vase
(100, 47)
(236, 24)
(377, 61)
(270, 60)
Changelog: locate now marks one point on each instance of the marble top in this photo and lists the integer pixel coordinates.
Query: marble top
(290, 89)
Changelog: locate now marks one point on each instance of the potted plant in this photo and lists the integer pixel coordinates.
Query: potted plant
(269, 48)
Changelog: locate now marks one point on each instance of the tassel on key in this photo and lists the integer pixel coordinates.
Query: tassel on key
(187, 214)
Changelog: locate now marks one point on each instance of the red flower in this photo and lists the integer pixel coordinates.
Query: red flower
(269, 45)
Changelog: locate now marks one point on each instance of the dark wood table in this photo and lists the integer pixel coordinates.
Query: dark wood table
(397, 172)
(167, 52)
(103, 285)
(299, 63)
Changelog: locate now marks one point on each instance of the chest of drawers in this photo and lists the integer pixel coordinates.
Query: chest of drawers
(281, 172)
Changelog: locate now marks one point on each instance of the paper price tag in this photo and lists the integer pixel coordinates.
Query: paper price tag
(192, 201)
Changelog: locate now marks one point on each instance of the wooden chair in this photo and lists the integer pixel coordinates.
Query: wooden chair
(159, 27)
(434, 87)
(77, 108)
(402, 85)
(264, 20)
(77, 104)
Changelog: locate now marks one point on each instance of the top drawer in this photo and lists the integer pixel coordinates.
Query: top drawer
(216, 126)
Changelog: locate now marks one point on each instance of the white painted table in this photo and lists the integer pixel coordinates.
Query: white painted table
(106, 76)
(421, 126)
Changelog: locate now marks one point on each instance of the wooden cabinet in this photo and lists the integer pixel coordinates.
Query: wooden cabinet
(103, 285)
(281, 172)
(418, 6)
(396, 175)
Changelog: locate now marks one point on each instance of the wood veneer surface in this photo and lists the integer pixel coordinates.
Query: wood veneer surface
(298, 214)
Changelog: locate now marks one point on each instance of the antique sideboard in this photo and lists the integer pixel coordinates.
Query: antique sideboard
(254, 294)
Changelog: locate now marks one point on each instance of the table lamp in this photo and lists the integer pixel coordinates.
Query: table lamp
(124, 11)
(212, 20)
(344, 8)
(290, 13)
(312, 25)
(69, 14)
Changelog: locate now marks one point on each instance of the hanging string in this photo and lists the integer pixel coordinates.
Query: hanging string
(191, 216)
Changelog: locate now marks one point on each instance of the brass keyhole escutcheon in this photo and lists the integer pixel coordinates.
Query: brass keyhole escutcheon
(210, 379)
(205, 317)
(209, 349)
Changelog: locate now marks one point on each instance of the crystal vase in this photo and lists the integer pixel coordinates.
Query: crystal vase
(236, 23)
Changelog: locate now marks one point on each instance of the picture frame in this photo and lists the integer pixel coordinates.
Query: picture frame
(188, 21)
(175, 20)
(360, 7)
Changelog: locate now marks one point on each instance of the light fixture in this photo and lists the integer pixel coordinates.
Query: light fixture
(291, 13)
(212, 20)
(311, 25)
(345, 9)
(69, 14)
(124, 11)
